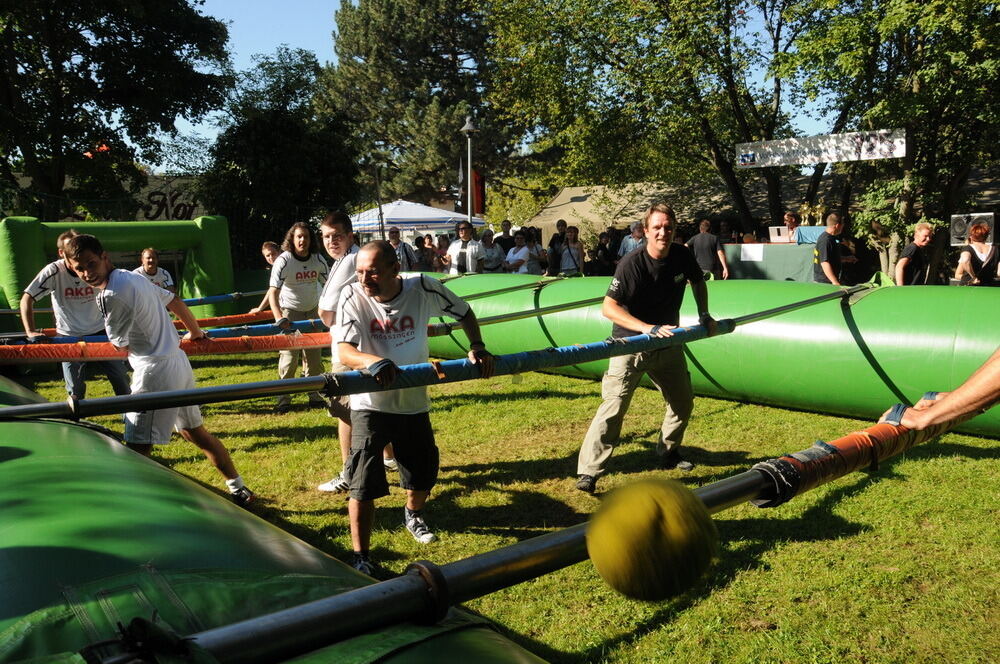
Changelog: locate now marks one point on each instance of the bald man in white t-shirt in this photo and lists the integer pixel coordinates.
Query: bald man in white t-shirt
(382, 323)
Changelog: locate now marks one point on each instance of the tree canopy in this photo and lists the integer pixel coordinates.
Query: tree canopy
(100, 77)
(278, 160)
(408, 72)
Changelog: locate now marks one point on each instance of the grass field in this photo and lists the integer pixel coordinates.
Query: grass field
(900, 565)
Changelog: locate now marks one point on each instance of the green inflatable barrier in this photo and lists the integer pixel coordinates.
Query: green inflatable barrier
(93, 535)
(887, 346)
(27, 245)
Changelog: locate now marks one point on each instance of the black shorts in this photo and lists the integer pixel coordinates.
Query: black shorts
(413, 442)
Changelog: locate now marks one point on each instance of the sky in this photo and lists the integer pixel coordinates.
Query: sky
(260, 26)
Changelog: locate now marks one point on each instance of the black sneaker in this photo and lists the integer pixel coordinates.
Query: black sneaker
(243, 496)
(363, 564)
(587, 483)
(282, 408)
(674, 461)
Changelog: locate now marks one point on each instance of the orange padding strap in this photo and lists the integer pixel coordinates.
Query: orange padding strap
(84, 352)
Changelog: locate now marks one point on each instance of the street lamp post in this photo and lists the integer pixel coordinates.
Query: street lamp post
(469, 129)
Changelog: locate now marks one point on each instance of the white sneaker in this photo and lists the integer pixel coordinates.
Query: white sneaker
(337, 485)
(390, 464)
(415, 524)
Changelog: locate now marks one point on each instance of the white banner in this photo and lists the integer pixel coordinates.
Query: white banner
(856, 146)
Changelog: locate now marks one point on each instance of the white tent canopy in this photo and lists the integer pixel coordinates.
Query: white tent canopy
(410, 217)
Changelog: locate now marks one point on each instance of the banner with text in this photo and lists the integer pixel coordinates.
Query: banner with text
(856, 146)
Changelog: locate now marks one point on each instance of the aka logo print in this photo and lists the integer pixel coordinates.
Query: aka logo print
(306, 275)
(77, 291)
(391, 325)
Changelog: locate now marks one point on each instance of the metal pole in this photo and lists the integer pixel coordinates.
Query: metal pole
(414, 375)
(303, 628)
(468, 137)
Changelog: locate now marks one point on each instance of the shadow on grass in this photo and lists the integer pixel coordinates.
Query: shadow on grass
(445, 403)
(760, 535)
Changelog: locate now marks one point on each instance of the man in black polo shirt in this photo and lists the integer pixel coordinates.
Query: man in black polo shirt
(911, 268)
(645, 297)
(827, 258)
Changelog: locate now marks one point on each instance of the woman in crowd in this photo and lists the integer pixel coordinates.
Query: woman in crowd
(571, 254)
(536, 255)
(978, 263)
(443, 242)
(492, 253)
(517, 257)
(419, 249)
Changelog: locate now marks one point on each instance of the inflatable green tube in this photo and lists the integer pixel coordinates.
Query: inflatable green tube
(889, 345)
(93, 534)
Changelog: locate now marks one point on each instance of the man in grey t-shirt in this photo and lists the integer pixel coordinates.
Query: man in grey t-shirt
(708, 251)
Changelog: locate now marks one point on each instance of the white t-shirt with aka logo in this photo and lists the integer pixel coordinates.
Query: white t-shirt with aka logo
(160, 278)
(300, 281)
(396, 330)
(73, 300)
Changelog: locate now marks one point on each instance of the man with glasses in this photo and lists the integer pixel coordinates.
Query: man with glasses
(465, 255)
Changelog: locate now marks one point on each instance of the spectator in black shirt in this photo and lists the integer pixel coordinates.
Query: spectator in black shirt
(708, 251)
(826, 256)
(911, 268)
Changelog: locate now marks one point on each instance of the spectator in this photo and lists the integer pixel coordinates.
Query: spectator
(537, 258)
(443, 242)
(404, 252)
(425, 260)
(366, 313)
(792, 223)
(708, 252)
(74, 306)
(464, 255)
(505, 240)
(556, 242)
(827, 258)
(149, 267)
(978, 262)
(604, 258)
(517, 257)
(297, 277)
(571, 253)
(493, 254)
(632, 242)
(913, 265)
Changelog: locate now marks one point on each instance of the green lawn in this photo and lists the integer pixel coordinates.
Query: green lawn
(896, 566)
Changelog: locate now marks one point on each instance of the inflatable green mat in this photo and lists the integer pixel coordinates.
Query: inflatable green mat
(855, 357)
(93, 535)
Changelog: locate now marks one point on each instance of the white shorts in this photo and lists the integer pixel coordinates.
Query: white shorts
(160, 374)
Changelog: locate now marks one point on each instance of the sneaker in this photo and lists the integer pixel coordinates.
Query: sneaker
(587, 483)
(363, 564)
(282, 408)
(390, 464)
(243, 496)
(415, 524)
(316, 402)
(674, 460)
(337, 485)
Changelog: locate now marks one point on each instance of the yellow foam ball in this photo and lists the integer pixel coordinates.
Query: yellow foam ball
(652, 540)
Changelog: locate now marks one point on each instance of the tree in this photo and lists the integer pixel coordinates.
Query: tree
(662, 92)
(927, 67)
(278, 160)
(407, 74)
(100, 75)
